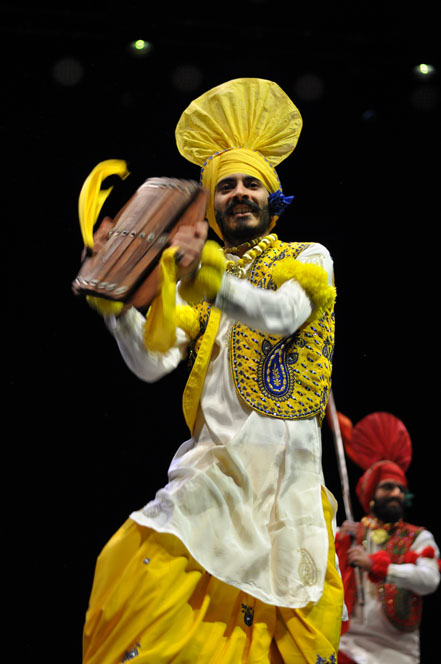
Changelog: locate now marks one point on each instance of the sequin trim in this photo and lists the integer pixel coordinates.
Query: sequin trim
(131, 654)
(248, 612)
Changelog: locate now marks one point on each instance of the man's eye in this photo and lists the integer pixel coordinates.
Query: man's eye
(389, 486)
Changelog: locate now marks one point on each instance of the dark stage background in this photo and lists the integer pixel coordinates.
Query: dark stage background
(90, 442)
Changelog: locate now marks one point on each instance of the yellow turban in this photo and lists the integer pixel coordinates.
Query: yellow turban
(247, 125)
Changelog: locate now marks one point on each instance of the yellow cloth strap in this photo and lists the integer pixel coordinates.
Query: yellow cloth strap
(160, 324)
(195, 382)
(163, 315)
(162, 319)
(92, 197)
(312, 278)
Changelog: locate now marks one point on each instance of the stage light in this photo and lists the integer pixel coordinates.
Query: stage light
(425, 95)
(140, 47)
(424, 70)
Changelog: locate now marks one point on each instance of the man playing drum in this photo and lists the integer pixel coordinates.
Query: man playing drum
(233, 560)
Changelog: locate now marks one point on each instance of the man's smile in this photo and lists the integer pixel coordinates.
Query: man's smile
(242, 208)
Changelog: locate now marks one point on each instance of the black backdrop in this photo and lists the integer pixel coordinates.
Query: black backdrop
(89, 441)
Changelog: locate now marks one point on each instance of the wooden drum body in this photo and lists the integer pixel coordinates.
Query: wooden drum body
(125, 268)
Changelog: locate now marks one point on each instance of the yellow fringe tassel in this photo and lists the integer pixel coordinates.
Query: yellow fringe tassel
(160, 323)
(163, 316)
(312, 278)
(187, 319)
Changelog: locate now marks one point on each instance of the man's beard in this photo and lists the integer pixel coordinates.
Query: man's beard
(388, 510)
(241, 232)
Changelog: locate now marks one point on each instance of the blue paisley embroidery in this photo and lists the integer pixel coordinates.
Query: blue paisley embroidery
(274, 376)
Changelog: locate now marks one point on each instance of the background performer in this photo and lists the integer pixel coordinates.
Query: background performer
(399, 561)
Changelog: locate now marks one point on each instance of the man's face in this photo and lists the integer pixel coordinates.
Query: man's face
(389, 501)
(241, 208)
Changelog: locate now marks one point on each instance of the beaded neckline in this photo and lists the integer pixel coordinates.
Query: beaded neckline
(257, 247)
(242, 248)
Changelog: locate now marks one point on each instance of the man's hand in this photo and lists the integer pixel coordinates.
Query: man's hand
(358, 557)
(190, 241)
(348, 528)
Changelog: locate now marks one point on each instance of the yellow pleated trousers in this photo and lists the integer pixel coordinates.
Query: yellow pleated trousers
(151, 602)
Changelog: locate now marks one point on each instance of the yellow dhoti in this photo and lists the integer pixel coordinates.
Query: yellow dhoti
(153, 603)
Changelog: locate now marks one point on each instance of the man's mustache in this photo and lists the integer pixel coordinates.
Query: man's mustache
(253, 207)
(390, 502)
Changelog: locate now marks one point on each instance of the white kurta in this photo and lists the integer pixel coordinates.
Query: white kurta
(244, 492)
(371, 638)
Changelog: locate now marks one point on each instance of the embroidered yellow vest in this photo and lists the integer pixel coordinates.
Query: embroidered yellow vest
(282, 377)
